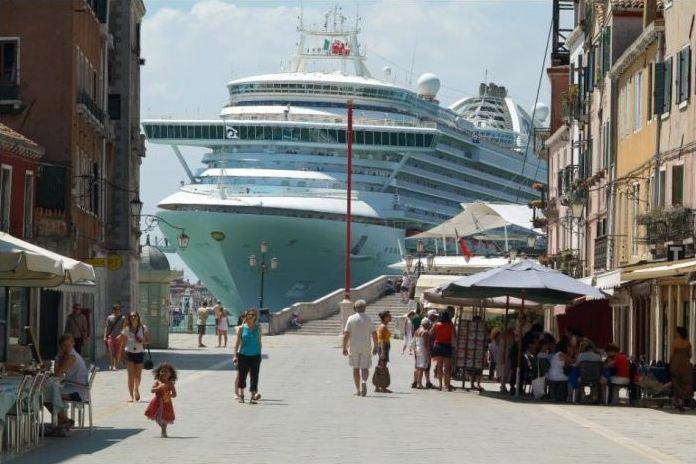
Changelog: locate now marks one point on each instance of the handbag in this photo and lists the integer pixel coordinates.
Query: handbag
(147, 363)
(381, 377)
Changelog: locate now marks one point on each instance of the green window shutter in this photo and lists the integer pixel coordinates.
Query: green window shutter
(668, 85)
(659, 91)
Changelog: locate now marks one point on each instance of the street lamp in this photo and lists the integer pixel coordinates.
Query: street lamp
(182, 240)
(430, 261)
(419, 249)
(576, 208)
(409, 262)
(262, 266)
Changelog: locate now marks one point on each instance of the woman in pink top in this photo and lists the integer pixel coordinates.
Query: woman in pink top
(443, 341)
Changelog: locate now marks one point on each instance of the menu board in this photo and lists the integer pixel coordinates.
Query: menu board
(471, 349)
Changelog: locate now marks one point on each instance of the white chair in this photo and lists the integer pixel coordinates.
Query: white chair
(79, 406)
(17, 417)
(36, 408)
(615, 384)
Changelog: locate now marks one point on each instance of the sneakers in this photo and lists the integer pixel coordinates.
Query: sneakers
(429, 385)
(363, 389)
(414, 385)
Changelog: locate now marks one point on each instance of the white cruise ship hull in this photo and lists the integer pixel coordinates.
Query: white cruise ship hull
(310, 255)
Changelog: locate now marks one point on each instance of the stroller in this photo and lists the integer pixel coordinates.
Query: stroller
(653, 390)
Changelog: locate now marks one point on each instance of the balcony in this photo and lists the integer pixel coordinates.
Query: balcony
(675, 225)
(90, 108)
(568, 179)
(601, 246)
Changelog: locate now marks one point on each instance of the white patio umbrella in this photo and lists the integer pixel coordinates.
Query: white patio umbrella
(25, 264)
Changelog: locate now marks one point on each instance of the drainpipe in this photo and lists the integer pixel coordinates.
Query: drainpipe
(613, 112)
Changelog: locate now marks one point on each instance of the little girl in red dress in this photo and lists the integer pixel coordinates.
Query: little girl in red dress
(161, 409)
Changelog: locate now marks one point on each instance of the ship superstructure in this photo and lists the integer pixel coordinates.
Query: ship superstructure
(276, 172)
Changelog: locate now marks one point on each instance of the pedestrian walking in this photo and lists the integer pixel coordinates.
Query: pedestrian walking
(680, 369)
(223, 325)
(405, 287)
(381, 377)
(359, 333)
(408, 332)
(422, 341)
(202, 314)
(161, 408)
(247, 356)
(217, 313)
(113, 326)
(77, 326)
(444, 340)
(134, 337)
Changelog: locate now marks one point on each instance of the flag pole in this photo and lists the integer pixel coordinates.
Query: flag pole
(349, 180)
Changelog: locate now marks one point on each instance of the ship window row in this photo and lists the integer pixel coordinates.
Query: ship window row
(326, 89)
(323, 104)
(441, 187)
(288, 134)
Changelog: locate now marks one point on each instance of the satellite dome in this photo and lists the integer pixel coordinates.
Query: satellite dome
(428, 85)
(540, 112)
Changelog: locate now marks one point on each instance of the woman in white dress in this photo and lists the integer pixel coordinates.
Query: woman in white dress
(408, 332)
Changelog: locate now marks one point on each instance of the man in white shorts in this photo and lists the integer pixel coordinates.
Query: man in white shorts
(360, 334)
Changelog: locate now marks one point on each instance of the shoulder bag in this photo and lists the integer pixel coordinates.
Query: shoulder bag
(147, 363)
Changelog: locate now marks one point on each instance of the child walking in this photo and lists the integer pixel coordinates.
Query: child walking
(161, 409)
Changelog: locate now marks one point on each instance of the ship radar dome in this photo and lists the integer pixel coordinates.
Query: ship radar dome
(540, 112)
(428, 85)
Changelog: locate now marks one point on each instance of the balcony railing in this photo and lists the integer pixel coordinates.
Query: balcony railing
(85, 100)
(668, 225)
(567, 180)
(601, 246)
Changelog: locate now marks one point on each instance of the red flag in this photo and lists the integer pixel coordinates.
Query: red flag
(463, 249)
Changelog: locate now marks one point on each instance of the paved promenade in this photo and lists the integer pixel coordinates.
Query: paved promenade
(308, 415)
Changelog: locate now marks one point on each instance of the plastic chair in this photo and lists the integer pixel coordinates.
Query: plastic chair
(614, 385)
(16, 417)
(36, 409)
(79, 406)
(590, 376)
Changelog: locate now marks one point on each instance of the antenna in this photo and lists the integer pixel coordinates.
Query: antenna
(413, 60)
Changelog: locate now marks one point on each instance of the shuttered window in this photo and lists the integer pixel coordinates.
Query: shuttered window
(683, 75)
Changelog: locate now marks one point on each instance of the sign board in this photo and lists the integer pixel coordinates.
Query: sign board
(112, 262)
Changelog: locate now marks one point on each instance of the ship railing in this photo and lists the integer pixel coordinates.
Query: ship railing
(389, 122)
(246, 192)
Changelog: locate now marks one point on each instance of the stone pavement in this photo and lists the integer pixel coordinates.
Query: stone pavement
(308, 415)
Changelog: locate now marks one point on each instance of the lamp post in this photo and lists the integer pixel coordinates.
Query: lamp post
(136, 207)
(430, 262)
(262, 266)
(420, 247)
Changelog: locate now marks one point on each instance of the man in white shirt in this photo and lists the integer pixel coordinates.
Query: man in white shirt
(361, 335)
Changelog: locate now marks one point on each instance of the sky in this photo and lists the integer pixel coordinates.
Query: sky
(192, 48)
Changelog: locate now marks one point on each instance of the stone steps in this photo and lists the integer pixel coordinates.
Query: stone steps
(332, 324)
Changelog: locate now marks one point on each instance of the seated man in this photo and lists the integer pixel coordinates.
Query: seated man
(295, 322)
(70, 364)
(615, 367)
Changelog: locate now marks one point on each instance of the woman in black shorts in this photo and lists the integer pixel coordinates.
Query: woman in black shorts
(443, 338)
(135, 336)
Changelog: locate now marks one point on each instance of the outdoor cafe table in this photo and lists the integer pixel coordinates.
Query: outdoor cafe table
(9, 387)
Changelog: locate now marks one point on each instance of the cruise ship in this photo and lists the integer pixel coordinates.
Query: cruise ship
(276, 170)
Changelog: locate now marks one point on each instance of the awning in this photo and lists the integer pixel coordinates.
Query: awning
(19, 259)
(608, 280)
(85, 287)
(481, 217)
(659, 270)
